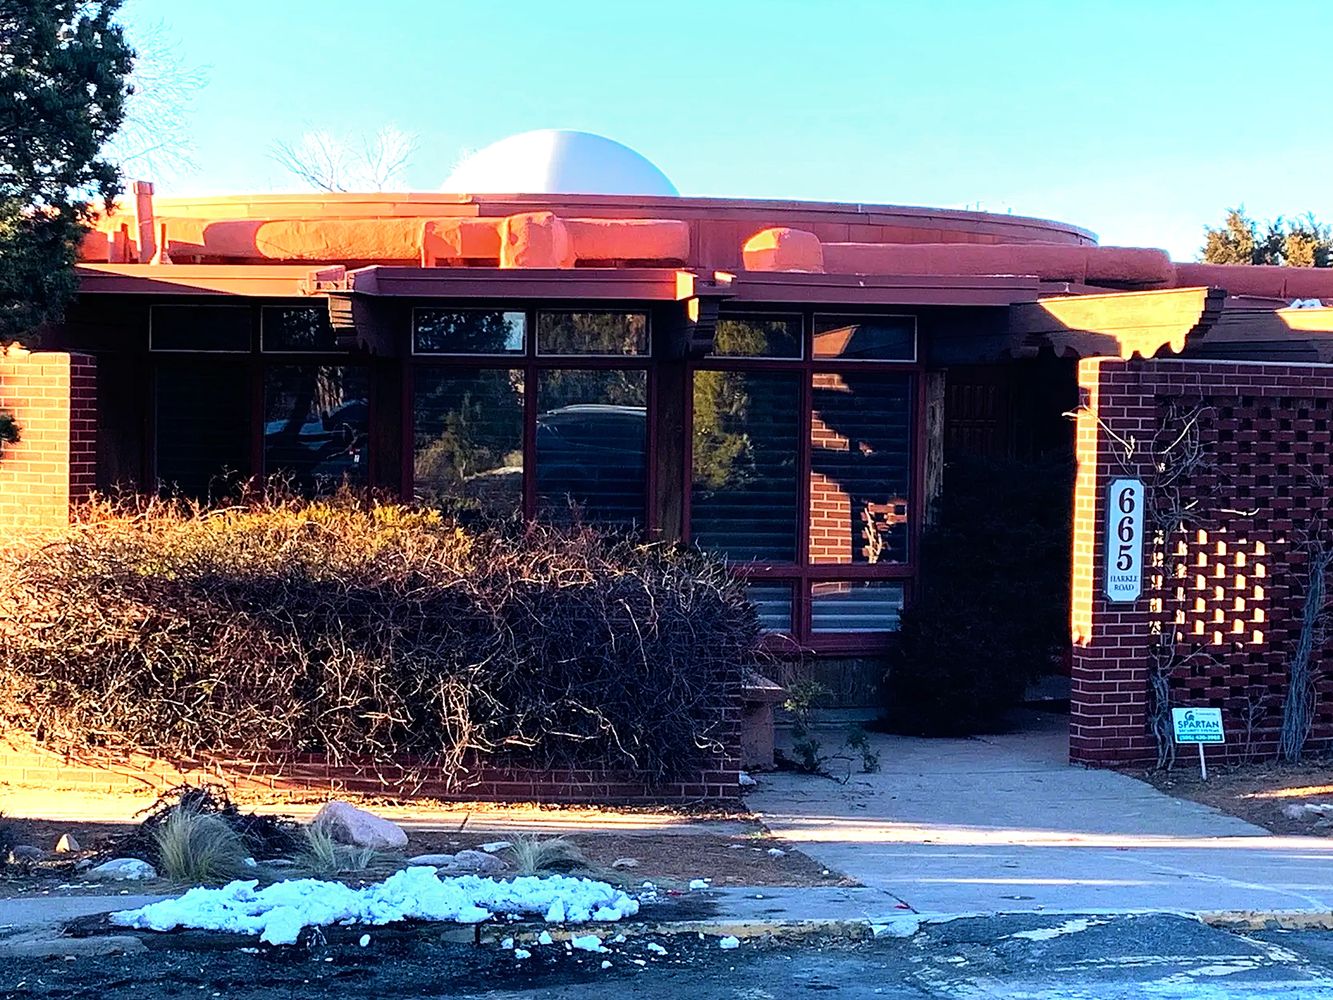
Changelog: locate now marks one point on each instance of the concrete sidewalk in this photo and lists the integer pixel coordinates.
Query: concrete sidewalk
(1006, 824)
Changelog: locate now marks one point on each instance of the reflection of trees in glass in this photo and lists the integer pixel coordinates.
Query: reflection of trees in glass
(469, 434)
(592, 333)
(592, 444)
(774, 337)
(744, 463)
(298, 328)
(570, 387)
(469, 331)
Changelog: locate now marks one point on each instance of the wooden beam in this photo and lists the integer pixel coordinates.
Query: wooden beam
(1119, 324)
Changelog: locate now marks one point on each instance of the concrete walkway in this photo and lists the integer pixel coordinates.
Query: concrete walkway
(1006, 824)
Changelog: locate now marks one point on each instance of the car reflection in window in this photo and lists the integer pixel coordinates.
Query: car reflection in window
(593, 456)
(323, 451)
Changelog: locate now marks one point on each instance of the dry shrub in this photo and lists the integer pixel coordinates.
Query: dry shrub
(367, 630)
(264, 836)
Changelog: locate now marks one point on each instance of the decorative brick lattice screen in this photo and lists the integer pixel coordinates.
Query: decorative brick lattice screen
(1233, 584)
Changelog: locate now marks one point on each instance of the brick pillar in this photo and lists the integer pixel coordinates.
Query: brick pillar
(53, 397)
(1108, 693)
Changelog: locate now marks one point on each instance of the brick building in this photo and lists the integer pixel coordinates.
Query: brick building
(781, 382)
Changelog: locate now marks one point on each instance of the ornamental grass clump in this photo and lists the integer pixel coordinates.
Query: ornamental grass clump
(369, 632)
(195, 848)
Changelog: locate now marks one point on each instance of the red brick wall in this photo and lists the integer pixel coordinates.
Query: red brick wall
(1233, 586)
(23, 762)
(53, 397)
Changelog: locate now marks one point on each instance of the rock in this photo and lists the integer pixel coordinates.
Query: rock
(496, 845)
(122, 870)
(462, 863)
(25, 852)
(476, 861)
(746, 781)
(625, 863)
(432, 860)
(347, 824)
(67, 844)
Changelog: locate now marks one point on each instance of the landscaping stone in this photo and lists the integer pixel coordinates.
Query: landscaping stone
(464, 862)
(347, 824)
(26, 852)
(122, 870)
(625, 863)
(67, 844)
(496, 845)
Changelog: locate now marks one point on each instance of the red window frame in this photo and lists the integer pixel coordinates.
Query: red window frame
(531, 364)
(801, 574)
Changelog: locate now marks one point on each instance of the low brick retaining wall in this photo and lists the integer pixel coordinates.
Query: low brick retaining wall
(24, 762)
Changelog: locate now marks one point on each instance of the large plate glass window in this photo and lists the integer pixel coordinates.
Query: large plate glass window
(773, 601)
(297, 328)
(203, 438)
(592, 333)
(592, 443)
(468, 331)
(316, 425)
(468, 436)
(865, 338)
(860, 467)
(855, 606)
(200, 327)
(758, 337)
(744, 502)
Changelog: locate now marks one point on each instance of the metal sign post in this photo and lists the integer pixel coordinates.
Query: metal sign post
(1198, 726)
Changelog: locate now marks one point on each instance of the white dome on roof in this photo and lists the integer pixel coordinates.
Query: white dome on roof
(558, 161)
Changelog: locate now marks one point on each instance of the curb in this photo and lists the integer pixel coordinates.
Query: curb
(859, 929)
(1269, 920)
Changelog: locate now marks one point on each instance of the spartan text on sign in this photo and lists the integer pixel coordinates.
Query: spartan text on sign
(1198, 725)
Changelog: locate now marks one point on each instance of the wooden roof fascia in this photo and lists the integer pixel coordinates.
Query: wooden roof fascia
(1115, 324)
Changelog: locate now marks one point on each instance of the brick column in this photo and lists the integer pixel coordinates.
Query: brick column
(1108, 693)
(53, 397)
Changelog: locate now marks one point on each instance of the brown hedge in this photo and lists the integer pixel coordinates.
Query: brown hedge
(369, 631)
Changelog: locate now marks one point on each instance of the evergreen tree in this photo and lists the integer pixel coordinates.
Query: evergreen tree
(1303, 242)
(64, 69)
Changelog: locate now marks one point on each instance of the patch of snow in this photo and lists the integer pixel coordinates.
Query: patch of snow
(898, 927)
(545, 938)
(278, 913)
(507, 944)
(586, 942)
(365, 940)
(1050, 933)
(656, 948)
(522, 953)
(606, 964)
(777, 852)
(1306, 304)
(699, 883)
(729, 943)
(746, 781)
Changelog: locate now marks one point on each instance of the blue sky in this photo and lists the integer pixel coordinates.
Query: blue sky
(1139, 119)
